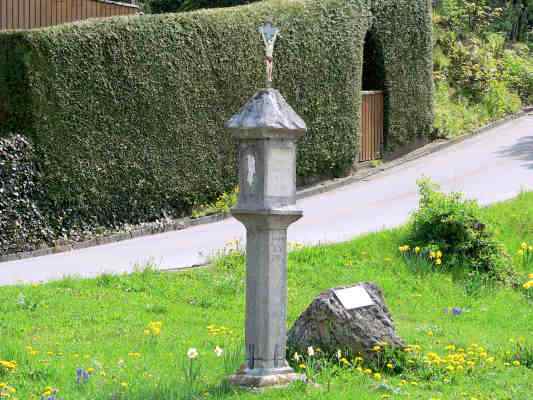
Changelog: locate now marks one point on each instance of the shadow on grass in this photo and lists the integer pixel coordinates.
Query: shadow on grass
(522, 150)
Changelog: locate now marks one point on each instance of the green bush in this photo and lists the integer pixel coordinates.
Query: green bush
(454, 226)
(222, 205)
(454, 114)
(499, 101)
(126, 114)
(473, 67)
(518, 72)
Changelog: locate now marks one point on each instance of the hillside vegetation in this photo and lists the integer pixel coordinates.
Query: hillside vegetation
(483, 63)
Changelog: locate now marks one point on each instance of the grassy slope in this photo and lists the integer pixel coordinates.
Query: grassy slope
(96, 323)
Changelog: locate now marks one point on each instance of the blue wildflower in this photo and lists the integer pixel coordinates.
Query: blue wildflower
(82, 376)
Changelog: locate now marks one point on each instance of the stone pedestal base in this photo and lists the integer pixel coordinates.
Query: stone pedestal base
(261, 379)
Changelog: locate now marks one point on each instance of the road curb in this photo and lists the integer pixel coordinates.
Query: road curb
(187, 222)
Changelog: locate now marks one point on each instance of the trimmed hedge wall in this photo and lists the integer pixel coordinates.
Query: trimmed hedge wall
(126, 114)
(404, 29)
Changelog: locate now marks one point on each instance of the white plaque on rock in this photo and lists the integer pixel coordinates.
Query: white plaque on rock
(354, 297)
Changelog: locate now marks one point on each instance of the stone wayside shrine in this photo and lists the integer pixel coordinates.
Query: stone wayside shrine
(266, 129)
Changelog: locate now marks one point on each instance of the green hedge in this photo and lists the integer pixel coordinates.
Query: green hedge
(404, 28)
(126, 114)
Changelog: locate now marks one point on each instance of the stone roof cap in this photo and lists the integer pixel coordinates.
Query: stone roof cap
(267, 111)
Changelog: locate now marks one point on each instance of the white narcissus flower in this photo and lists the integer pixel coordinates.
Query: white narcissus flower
(310, 351)
(339, 354)
(192, 353)
(296, 357)
(219, 351)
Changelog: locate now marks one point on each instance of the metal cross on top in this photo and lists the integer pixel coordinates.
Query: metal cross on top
(269, 34)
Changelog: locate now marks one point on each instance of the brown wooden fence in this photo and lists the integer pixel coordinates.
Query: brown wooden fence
(372, 117)
(27, 14)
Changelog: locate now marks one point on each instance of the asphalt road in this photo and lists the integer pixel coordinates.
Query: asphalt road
(491, 167)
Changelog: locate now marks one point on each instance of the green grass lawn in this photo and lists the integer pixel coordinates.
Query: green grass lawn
(102, 325)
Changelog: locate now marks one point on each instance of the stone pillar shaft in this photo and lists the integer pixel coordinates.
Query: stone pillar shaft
(266, 299)
(266, 288)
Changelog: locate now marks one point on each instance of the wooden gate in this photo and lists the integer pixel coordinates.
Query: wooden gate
(28, 14)
(372, 116)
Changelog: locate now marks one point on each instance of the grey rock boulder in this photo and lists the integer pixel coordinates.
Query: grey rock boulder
(326, 324)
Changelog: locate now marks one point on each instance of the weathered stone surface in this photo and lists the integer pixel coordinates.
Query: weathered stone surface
(265, 378)
(266, 114)
(328, 325)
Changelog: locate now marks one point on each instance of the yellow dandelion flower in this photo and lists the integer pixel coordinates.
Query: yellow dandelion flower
(524, 246)
(516, 363)
(377, 376)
